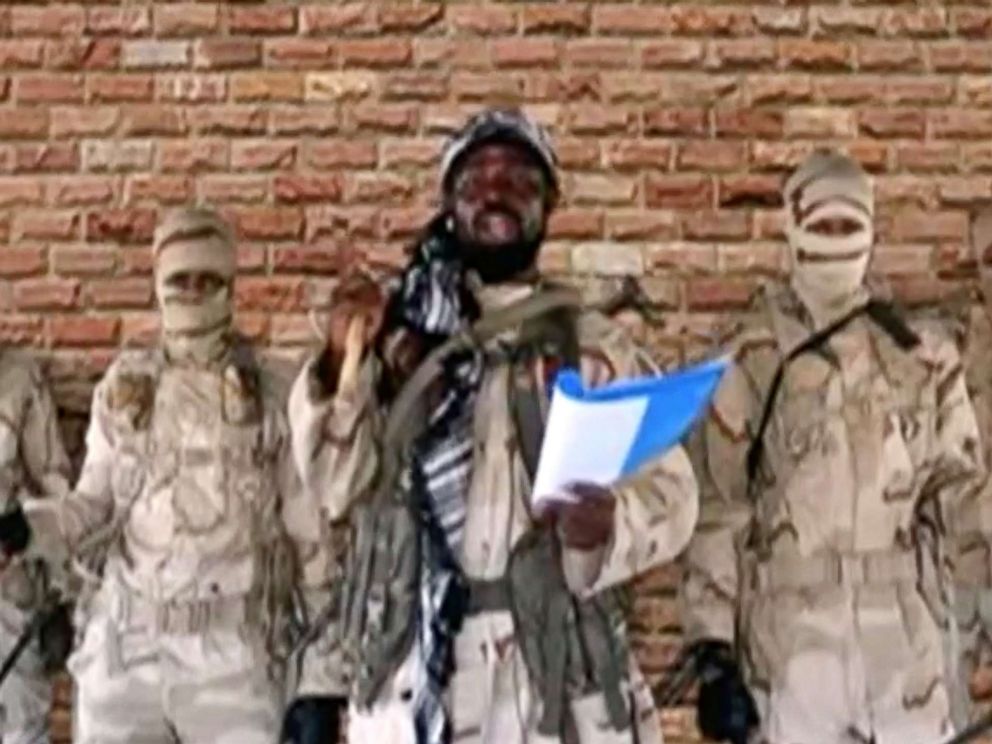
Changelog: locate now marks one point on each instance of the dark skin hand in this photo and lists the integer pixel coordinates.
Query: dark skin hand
(583, 524)
(358, 296)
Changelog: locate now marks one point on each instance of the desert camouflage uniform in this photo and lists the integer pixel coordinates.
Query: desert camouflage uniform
(33, 463)
(817, 573)
(190, 491)
(492, 700)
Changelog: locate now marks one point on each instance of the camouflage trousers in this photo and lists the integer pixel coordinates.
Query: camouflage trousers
(971, 648)
(491, 699)
(135, 686)
(847, 665)
(26, 694)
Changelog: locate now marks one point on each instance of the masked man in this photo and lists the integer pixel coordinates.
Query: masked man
(972, 522)
(33, 464)
(833, 448)
(190, 494)
(471, 618)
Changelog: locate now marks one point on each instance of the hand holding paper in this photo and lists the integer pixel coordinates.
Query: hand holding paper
(603, 434)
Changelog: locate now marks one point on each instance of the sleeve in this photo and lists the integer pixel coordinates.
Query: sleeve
(334, 438)
(42, 450)
(60, 526)
(710, 575)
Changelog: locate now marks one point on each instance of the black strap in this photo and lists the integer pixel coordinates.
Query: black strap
(882, 313)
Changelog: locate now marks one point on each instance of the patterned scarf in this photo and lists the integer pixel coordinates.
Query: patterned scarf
(433, 301)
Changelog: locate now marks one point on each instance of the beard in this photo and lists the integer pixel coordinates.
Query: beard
(498, 243)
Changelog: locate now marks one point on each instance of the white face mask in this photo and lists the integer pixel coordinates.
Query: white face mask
(196, 332)
(828, 272)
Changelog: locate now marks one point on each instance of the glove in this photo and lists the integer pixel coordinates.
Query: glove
(725, 710)
(313, 720)
(15, 533)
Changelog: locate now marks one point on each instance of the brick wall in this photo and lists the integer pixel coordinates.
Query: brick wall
(315, 127)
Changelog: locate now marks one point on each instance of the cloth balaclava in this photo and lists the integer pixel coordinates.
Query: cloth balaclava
(195, 240)
(828, 272)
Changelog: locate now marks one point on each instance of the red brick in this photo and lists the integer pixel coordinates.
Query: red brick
(962, 123)
(560, 18)
(575, 224)
(631, 224)
(45, 224)
(378, 188)
(186, 19)
(872, 154)
(820, 122)
(300, 189)
(918, 225)
(403, 222)
(301, 54)
(21, 330)
(50, 158)
(678, 191)
(269, 223)
(266, 86)
(263, 19)
(595, 119)
(740, 53)
(709, 21)
(415, 86)
(964, 191)
(341, 154)
(672, 53)
(749, 122)
(46, 20)
(410, 18)
(832, 21)
(21, 54)
(129, 292)
(250, 189)
(86, 54)
(46, 294)
(321, 258)
(191, 88)
(228, 119)
(310, 120)
(806, 54)
(153, 120)
(20, 191)
(155, 54)
(928, 156)
(599, 54)
(576, 154)
(398, 118)
(120, 88)
(117, 155)
(780, 21)
(42, 88)
(375, 53)
(906, 190)
(890, 122)
(975, 91)
(270, 294)
(632, 20)
(716, 225)
(712, 156)
(224, 53)
(525, 52)
(750, 190)
(84, 121)
(791, 88)
(352, 85)
(84, 261)
(972, 22)
(193, 155)
(603, 189)
(691, 122)
(337, 223)
(848, 89)
(456, 53)
(485, 19)
(163, 189)
(638, 154)
(889, 55)
(83, 330)
(344, 18)
(960, 56)
(262, 154)
(471, 86)
(412, 153)
(719, 294)
(21, 262)
(79, 190)
(118, 21)
(140, 329)
(919, 22)
(131, 225)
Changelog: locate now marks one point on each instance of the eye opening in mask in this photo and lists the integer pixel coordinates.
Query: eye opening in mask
(837, 226)
(195, 283)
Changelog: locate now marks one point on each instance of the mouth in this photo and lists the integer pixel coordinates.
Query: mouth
(812, 257)
(497, 226)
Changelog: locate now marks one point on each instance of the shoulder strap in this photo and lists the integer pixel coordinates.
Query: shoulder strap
(882, 313)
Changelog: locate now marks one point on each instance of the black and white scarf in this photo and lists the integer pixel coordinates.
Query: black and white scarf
(433, 300)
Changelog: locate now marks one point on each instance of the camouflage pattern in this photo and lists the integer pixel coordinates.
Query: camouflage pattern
(33, 464)
(823, 574)
(491, 697)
